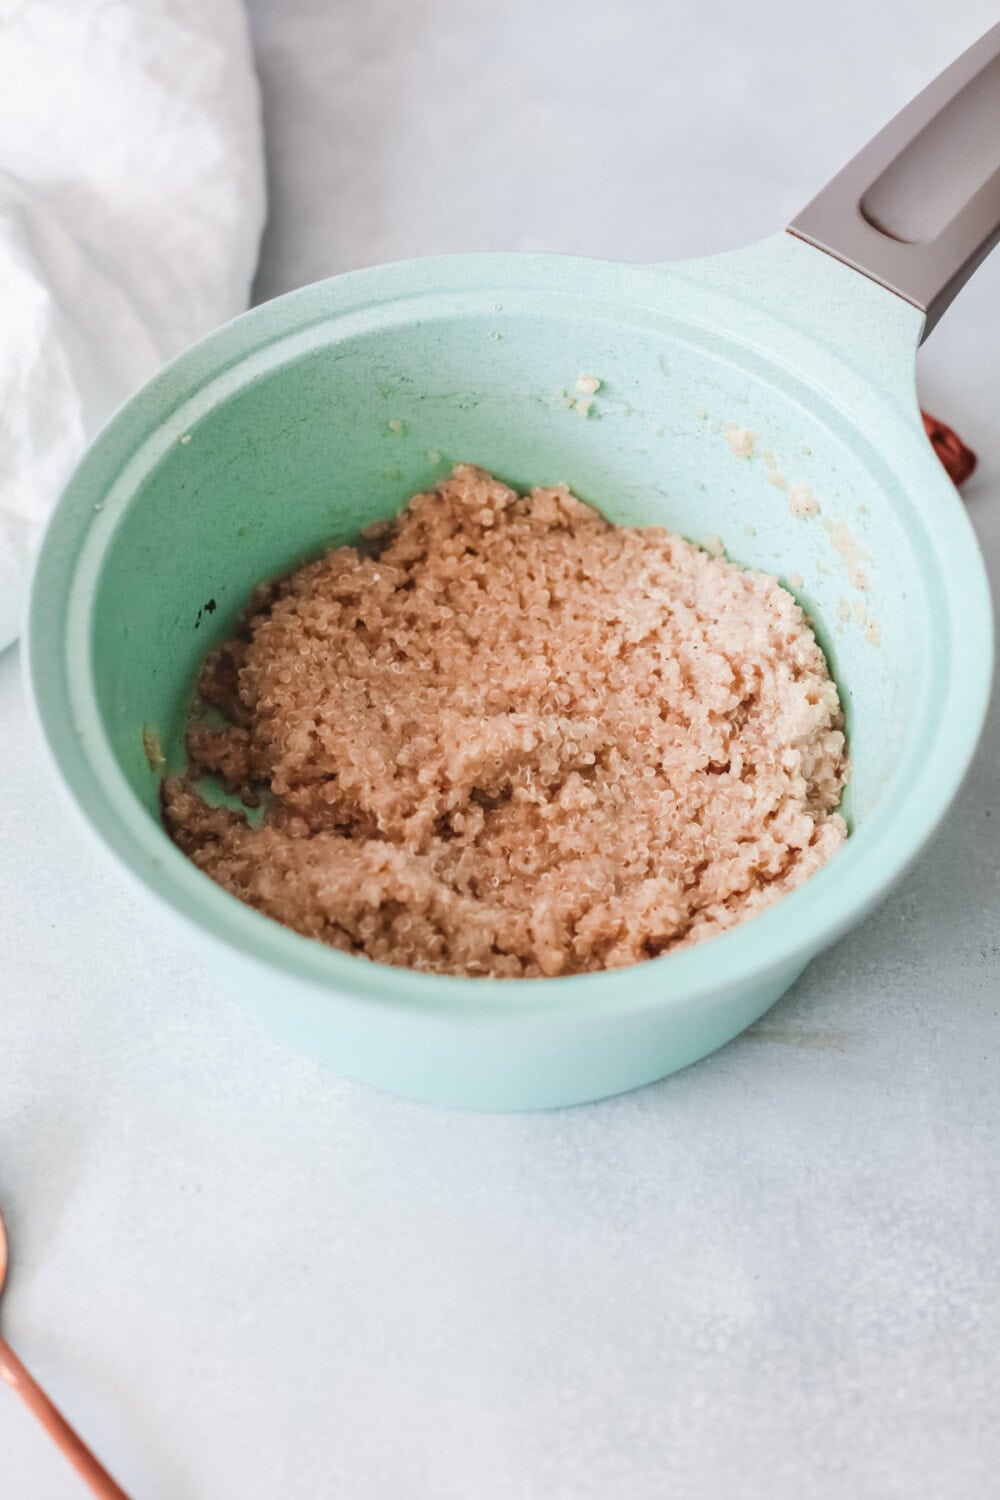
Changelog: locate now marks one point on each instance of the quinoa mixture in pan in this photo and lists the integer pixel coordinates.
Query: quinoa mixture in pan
(506, 737)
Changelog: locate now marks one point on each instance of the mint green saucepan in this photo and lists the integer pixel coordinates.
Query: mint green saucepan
(765, 397)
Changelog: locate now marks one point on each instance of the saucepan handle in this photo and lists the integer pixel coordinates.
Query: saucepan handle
(918, 208)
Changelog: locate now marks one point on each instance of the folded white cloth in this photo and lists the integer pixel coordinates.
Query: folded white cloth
(131, 205)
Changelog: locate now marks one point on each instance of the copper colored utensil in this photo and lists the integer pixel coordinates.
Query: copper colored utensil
(55, 1424)
(958, 460)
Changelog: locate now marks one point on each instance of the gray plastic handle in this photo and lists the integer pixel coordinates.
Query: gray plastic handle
(918, 209)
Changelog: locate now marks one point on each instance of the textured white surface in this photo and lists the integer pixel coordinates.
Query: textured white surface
(774, 1276)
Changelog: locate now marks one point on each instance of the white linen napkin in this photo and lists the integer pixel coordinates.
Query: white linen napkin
(131, 205)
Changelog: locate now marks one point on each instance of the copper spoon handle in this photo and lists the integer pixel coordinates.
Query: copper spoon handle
(55, 1424)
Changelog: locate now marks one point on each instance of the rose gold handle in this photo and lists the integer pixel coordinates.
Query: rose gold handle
(55, 1424)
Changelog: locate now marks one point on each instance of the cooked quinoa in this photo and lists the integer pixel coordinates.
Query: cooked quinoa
(506, 737)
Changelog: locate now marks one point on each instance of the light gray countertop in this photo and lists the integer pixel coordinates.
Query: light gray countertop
(775, 1275)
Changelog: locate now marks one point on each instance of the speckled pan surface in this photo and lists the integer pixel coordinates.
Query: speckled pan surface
(316, 413)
